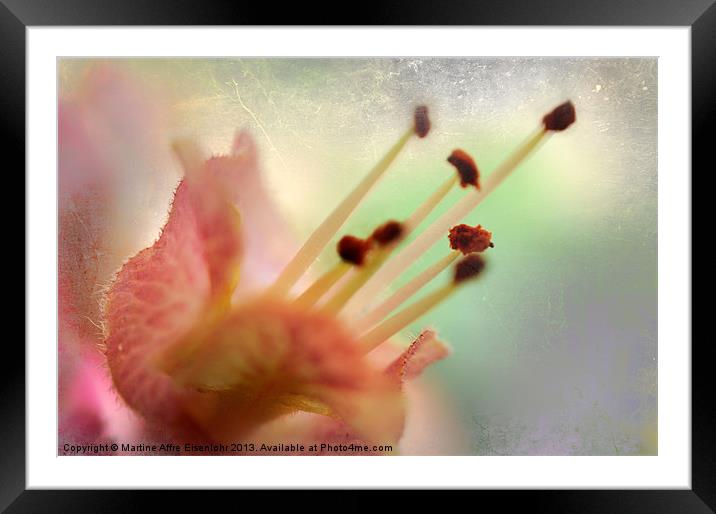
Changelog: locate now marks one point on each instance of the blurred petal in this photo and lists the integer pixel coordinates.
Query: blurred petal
(431, 428)
(268, 242)
(328, 435)
(159, 295)
(432, 424)
(268, 359)
(434, 427)
(109, 184)
(422, 352)
(80, 404)
(89, 411)
(115, 178)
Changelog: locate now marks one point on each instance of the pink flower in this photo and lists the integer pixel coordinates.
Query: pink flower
(109, 133)
(201, 340)
(189, 360)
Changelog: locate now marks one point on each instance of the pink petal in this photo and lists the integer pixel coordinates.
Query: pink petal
(329, 436)
(80, 412)
(268, 358)
(99, 128)
(422, 352)
(433, 423)
(112, 173)
(268, 242)
(89, 409)
(162, 292)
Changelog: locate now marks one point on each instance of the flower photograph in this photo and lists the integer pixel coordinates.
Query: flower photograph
(357, 256)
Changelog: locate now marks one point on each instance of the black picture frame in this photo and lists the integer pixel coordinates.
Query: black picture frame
(700, 15)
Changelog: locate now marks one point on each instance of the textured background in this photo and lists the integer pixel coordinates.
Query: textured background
(555, 348)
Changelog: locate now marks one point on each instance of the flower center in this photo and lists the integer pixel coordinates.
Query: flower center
(223, 368)
(367, 266)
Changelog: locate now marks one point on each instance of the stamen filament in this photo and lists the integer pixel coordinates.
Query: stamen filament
(382, 278)
(467, 269)
(422, 212)
(344, 295)
(399, 321)
(321, 286)
(363, 274)
(416, 218)
(326, 230)
(405, 292)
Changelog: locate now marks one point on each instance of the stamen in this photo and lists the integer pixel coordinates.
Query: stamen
(558, 119)
(326, 230)
(322, 285)
(430, 203)
(386, 237)
(469, 239)
(463, 240)
(404, 293)
(464, 176)
(466, 167)
(421, 121)
(468, 268)
(386, 234)
(352, 251)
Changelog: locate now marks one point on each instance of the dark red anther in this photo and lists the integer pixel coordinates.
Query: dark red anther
(353, 249)
(561, 117)
(422, 122)
(468, 268)
(466, 168)
(469, 239)
(387, 233)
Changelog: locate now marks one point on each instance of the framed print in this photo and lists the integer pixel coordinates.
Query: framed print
(362, 257)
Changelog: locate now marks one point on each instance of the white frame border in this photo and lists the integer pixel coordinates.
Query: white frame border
(670, 469)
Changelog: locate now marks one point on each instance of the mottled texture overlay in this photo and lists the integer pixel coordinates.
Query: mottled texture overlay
(555, 349)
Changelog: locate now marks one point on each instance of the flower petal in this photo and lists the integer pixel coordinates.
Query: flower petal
(88, 408)
(112, 175)
(80, 405)
(268, 242)
(328, 436)
(422, 352)
(159, 295)
(269, 358)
